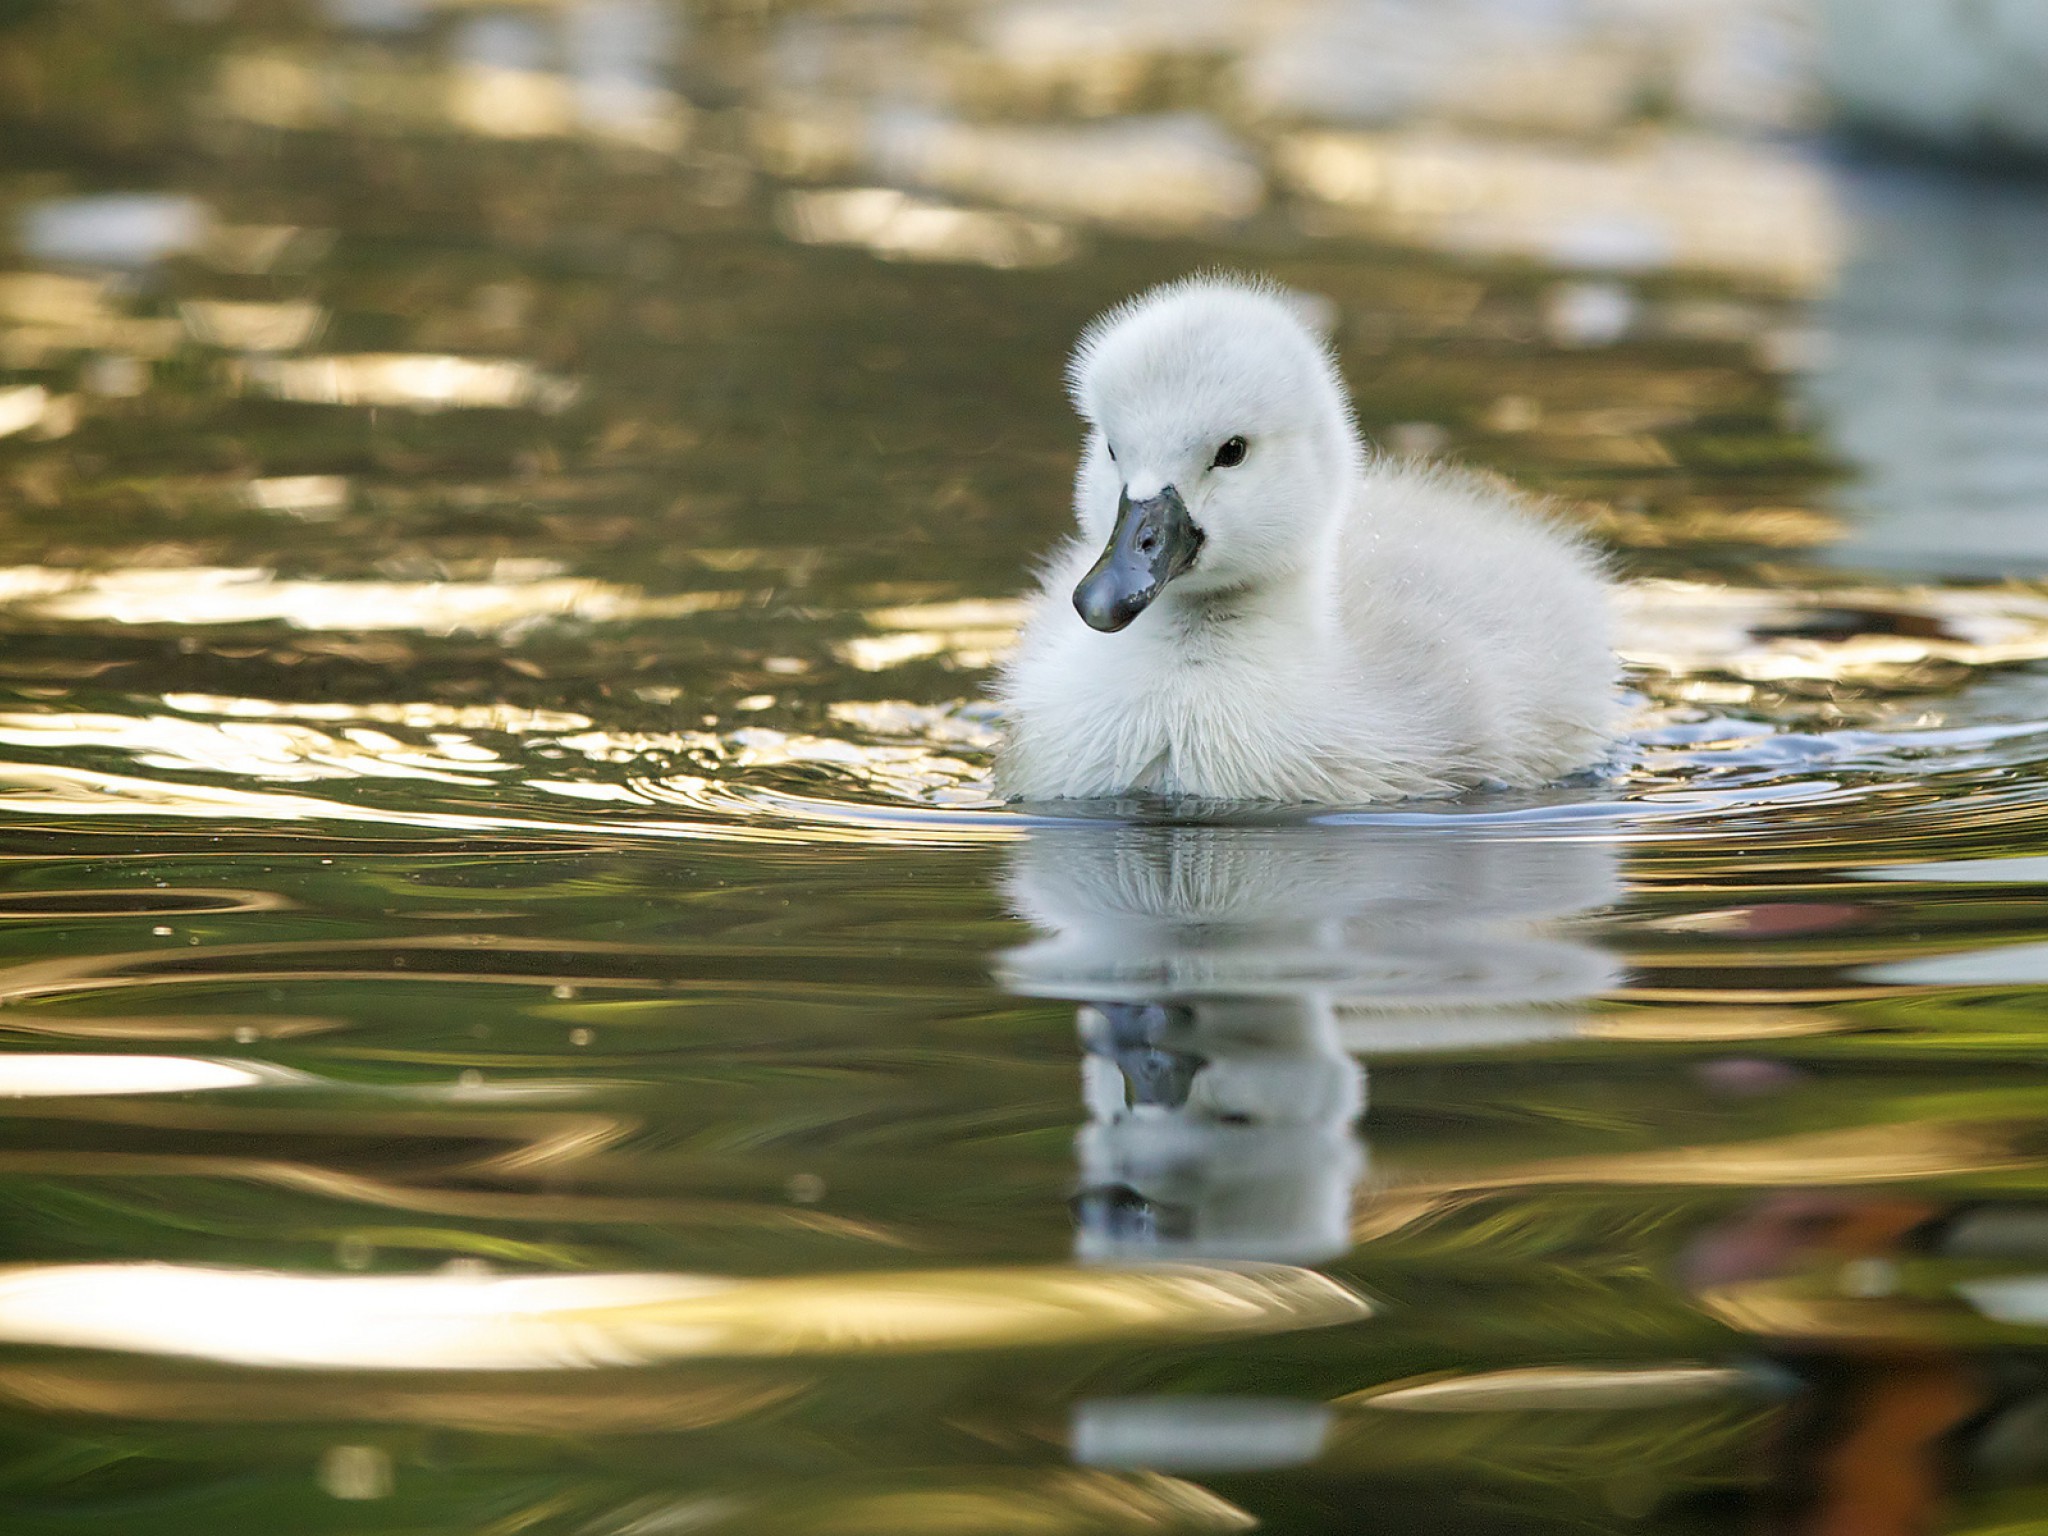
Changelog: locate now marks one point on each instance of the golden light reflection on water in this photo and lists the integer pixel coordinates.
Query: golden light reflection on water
(464, 1323)
(905, 774)
(1689, 644)
(1749, 210)
(970, 634)
(311, 90)
(563, 1141)
(408, 381)
(421, 715)
(441, 957)
(1723, 1024)
(1048, 1502)
(1084, 1503)
(1164, 174)
(1905, 637)
(214, 595)
(258, 751)
(781, 820)
(1767, 527)
(1796, 1310)
(603, 1401)
(246, 1029)
(1875, 1154)
(251, 325)
(48, 317)
(1553, 1389)
(898, 227)
(313, 497)
(30, 1075)
(30, 408)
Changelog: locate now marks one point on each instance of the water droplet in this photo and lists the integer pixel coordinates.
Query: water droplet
(563, 992)
(355, 1251)
(247, 1034)
(471, 1078)
(161, 931)
(581, 1036)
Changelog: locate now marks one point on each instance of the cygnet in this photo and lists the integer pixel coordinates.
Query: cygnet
(1258, 609)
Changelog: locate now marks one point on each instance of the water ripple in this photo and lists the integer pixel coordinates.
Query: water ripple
(541, 1322)
(1759, 708)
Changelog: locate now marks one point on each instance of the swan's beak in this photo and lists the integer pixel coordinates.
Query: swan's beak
(1153, 542)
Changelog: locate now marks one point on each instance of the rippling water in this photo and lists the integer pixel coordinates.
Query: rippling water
(522, 1012)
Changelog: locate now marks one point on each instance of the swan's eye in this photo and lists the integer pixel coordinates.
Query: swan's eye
(1231, 454)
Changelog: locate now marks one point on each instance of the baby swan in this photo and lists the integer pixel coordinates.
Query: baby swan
(1273, 614)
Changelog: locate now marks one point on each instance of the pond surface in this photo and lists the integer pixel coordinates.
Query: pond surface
(522, 1013)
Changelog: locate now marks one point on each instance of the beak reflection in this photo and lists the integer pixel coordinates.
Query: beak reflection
(1154, 541)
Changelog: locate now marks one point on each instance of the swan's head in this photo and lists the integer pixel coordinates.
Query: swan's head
(1221, 445)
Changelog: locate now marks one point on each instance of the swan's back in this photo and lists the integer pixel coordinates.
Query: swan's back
(1492, 613)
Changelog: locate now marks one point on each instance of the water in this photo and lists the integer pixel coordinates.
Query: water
(522, 1012)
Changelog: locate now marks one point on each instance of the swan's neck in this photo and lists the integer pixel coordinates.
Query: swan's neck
(1297, 605)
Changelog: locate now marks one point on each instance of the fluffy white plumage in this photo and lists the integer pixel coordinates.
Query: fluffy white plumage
(1350, 629)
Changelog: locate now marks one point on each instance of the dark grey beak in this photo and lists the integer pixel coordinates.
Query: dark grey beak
(1153, 542)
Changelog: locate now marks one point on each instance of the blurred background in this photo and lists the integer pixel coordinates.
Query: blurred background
(594, 256)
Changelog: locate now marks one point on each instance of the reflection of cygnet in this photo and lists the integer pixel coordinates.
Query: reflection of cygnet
(1411, 940)
(1199, 1434)
(1218, 1129)
(1225, 972)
